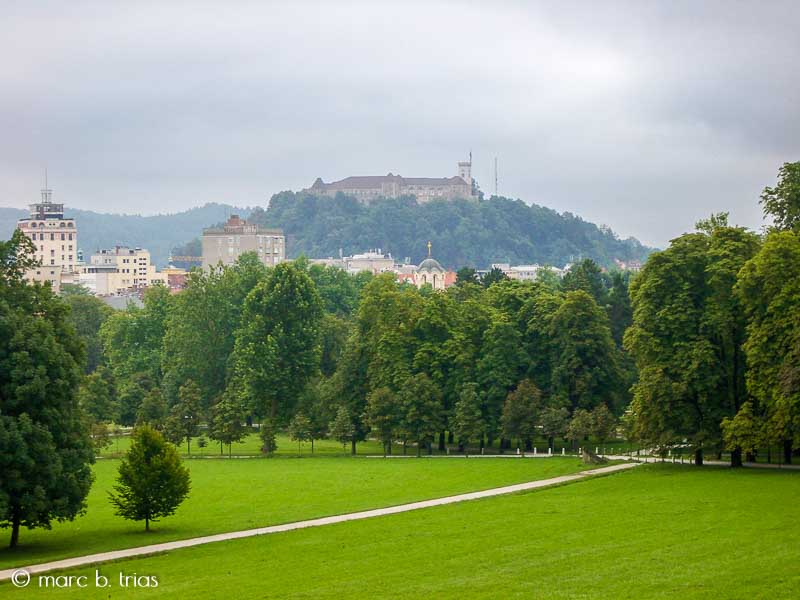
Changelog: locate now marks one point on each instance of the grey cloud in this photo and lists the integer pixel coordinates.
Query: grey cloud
(643, 116)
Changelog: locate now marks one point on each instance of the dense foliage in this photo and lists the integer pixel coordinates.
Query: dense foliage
(45, 449)
(464, 232)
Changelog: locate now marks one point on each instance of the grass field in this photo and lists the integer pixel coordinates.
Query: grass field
(659, 531)
(251, 446)
(228, 495)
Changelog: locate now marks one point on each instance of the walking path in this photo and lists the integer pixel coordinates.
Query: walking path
(81, 561)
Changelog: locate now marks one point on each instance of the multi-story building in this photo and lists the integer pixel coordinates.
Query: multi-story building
(118, 270)
(370, 187)
(225, 245)
(55, 239)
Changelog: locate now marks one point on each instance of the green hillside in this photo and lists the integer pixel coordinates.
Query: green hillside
(463, 232)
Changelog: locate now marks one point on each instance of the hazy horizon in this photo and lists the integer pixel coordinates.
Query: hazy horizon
(641, 116)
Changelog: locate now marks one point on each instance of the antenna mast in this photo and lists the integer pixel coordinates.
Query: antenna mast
(495, 176)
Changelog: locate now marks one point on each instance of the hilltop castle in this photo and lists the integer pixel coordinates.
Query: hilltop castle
(370, 187)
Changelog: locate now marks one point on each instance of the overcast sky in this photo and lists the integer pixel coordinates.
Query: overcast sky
(643, 115)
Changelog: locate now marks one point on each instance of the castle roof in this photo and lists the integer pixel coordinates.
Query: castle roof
(375, 181)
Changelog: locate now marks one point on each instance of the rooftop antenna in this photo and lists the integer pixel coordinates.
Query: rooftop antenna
(47, 193)
(495, 176)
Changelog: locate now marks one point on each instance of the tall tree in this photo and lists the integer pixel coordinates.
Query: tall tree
(468, 422)
(521, 413)
(383, 416)
(87, 314)
(186, 415)
(277, 347)
(586, 276)
(421, 409)
(227, 421)
(782, 202)
(585, 360)
(768, 289)
(97, 397)
(45, 446)
(687, 332)
(203, 321)
(152, 410)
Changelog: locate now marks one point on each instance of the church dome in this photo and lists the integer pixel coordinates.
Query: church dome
(430, 264)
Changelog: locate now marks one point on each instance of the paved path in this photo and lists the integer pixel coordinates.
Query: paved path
(81, 561)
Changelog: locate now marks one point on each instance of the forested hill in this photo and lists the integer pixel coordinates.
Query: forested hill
(463, 232)
(158, 233)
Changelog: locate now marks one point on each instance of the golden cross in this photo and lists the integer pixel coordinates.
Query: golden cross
(429, 249)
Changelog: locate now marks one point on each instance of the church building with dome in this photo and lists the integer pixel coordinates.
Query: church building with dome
(430, 272)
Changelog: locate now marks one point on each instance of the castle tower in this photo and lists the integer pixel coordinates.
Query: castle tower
(465, 170)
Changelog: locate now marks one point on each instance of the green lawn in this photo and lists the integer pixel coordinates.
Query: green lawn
(251, 446)
(659, 531)
(235, 494)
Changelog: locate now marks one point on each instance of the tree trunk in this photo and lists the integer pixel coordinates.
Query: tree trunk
(528, 445)
(14, 531)
(441, 441)
(750, 457)
(147, 523)
(405, 447)
(551, 443)
(312, 445)
(222, 448)
(430, 448)
(353, 446)
(787, 451)
(419, 449)
(736, 457)
(450, 437)
(698, 457)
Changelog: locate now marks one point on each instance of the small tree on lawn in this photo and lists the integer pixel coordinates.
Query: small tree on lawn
(555, 421)
(300, 431)
(268, 443)
(152, 482)
(184, 420)
(227, 422)
(580, 426)
(468, 424)
(383, 415)
(341, 428)
(520, 413)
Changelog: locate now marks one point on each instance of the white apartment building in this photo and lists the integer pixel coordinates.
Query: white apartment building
(55, 239)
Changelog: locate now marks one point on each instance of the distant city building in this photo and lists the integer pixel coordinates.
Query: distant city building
(631, 265)
(527, 272)
(370, 187)
(374, 261)
(118, 270)
(429, 271)
(225, 245)
(55, 239)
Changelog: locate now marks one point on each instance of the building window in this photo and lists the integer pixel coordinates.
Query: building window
(41, 237)
(52, 236)
(62, 236)
(70, 237)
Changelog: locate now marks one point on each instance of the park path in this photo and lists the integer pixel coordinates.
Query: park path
(91, 559)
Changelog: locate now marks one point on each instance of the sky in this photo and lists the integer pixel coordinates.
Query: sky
(643, 116)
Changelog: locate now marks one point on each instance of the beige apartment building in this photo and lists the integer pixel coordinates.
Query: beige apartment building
(117, 270)
(55, 239)
(225, 245)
